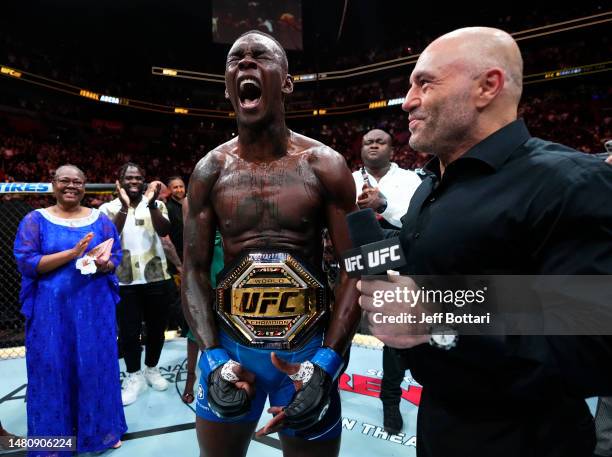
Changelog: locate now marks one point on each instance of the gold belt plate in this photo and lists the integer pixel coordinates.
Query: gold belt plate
(271, 300)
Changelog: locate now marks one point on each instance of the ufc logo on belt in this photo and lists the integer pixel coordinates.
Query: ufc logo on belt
(269, 303)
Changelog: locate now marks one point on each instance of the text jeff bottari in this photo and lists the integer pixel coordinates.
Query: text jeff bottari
(432, 318)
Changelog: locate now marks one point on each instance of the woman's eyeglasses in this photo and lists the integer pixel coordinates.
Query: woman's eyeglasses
(66, 182)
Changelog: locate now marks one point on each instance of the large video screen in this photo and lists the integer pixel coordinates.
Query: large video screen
(280, 18)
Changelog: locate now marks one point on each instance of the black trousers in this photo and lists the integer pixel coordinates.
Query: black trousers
(143, 302)
(393, 375)
(176, 318)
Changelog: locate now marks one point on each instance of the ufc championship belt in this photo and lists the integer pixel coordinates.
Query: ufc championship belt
(270, 300)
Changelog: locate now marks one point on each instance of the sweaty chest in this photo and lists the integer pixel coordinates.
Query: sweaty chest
(280, 196)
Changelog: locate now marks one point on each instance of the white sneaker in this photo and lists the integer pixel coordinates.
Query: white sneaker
(133, 386)
(154, 379)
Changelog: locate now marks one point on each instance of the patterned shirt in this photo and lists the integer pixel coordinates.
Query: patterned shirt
(144, 260)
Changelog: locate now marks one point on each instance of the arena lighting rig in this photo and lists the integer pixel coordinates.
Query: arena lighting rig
(535, 32)
(31, 78)
(20, 75)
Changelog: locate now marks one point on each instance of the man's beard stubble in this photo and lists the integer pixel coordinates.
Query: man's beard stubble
(447, 128)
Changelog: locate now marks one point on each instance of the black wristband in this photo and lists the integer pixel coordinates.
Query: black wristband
(152, 204)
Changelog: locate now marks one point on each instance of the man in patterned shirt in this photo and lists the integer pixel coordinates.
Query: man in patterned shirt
(143, 277)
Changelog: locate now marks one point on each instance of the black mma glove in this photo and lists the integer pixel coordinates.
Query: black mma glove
(310, 403)
(224, 399)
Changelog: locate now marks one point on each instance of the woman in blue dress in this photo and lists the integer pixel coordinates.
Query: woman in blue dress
(71, 347)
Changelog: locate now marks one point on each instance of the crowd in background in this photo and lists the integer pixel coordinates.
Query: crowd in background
(40, 129)
(32, 156)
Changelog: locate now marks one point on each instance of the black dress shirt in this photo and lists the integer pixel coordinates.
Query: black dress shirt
(513, 204)
(175, 214)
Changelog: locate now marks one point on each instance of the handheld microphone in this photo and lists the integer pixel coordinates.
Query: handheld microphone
(372, 254)
(365, 177)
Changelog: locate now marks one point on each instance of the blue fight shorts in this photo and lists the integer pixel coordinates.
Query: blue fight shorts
(273, 383)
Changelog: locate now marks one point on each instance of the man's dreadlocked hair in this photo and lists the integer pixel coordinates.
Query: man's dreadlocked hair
(127, 165)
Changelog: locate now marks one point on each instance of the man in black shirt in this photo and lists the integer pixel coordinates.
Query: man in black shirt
(498, 202)
(176, 186)
(173, 248)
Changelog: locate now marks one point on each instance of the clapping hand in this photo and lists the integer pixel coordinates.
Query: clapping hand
(79, 248)
(101, 255)
(123, 196)
(153, 190)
